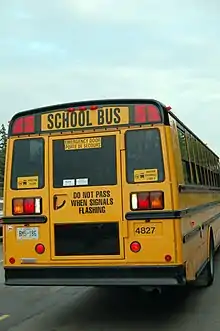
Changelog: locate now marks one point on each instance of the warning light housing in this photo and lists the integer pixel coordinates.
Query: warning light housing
(24, 124)
(147, 200)
(27, 206)
(146, 114)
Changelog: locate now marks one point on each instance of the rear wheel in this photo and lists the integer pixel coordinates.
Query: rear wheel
(206, 278)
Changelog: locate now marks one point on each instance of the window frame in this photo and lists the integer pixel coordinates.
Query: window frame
(61, 139)
(162, 157)
(12, 164)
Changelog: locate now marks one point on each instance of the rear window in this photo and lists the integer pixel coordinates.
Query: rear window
(84, 161)
(144, 158)
(28, 161)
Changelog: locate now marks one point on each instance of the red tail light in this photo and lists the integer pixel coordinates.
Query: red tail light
(147, 200)
(143, 200)
(26, 206)
(29, 206)
(146, 113)
(25, 124)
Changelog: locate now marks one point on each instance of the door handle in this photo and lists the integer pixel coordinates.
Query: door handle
(56, 204)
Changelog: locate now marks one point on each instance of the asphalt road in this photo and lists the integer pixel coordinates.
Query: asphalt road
(88, 309)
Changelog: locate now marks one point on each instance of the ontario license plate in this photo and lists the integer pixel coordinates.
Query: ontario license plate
(27, 233)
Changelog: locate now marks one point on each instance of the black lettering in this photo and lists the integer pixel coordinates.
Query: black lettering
(58, 121)
(50, 121)
(145, 230)
(81, 210)
(88, 123)
(73, 119)
(137, 230)
(98, 202)
(78, 203)
(92, 210)
(87, 195)
(82, 118)
(76, 195)
(117, 115)
(66, 120)
(102, 194)
(108, 115)
(101, 119)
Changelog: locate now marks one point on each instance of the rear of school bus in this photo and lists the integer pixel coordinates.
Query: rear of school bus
(90, 194)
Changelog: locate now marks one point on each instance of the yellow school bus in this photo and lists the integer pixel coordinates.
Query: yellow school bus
(109, 192)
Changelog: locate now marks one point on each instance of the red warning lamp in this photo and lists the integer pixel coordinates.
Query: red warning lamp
(18, 126)
(146, 114)
(25, 124)
(82, 108)
(70, 109)
(94, 107)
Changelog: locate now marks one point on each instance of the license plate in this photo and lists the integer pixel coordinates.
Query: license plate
(144, 229)
(27, 233)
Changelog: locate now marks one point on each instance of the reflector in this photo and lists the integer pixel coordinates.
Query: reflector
(39, 248)
(135, 246)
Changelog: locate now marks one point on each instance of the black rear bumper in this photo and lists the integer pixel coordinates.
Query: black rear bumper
(96, 276)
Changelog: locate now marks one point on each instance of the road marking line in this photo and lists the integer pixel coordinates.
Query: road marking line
(3, 317)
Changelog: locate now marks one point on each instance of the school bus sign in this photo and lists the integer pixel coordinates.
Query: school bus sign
(81, 119)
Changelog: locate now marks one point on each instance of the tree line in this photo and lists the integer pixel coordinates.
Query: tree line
(3, 144)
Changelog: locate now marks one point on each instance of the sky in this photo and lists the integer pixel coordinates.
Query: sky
(69, 50)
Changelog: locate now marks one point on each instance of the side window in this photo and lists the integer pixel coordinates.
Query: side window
(192, 157)
(200, 165)
(28, 160)
(184, 157)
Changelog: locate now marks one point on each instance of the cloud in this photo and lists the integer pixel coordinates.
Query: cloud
(60, 51)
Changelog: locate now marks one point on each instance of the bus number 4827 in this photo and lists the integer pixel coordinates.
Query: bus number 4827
(145, 230)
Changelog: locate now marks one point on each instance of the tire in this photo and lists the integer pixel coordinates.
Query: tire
(206, 278)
